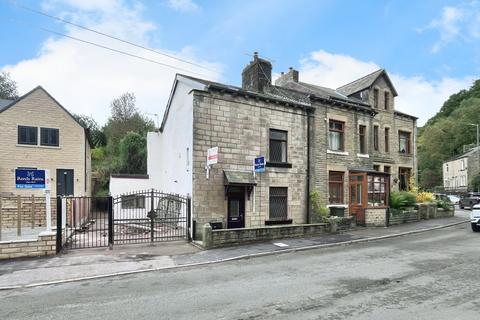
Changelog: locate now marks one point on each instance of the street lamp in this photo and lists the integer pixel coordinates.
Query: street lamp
(478, 151)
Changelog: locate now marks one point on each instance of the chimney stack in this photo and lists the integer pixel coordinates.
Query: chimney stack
(257, 74)
(290, 76)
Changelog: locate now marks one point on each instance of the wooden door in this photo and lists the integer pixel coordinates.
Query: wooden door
(358, 196)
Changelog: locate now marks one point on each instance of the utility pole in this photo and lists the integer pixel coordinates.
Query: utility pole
(478, 151)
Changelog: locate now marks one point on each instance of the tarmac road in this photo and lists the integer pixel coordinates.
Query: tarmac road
(432, 275)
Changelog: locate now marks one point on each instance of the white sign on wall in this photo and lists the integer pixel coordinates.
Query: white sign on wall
(212, 156)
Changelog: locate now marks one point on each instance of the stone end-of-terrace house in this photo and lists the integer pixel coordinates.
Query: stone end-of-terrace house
(37, 132)
(459, 171)
(312, 138)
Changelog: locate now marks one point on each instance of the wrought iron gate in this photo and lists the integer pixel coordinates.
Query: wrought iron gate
(150, 216)
(85, 222)
(138, 217)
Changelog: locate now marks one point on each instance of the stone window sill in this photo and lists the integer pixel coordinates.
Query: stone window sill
(340, 153)
(337, 205)
(363, 155)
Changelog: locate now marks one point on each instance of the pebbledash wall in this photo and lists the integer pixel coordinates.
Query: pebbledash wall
(240, 126)
(38, 109)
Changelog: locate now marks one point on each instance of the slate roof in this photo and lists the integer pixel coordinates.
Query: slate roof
(4, 103)
(468, 153)
(365, 82)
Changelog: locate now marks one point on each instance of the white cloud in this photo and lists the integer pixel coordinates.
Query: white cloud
(416, 95)
(85, 79)
(183, 5)
(456, 22)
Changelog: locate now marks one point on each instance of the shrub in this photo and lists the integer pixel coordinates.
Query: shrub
(402, 199)
(320, 210)
(425, 197)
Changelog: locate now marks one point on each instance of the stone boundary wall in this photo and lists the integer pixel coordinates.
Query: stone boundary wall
(375, 217)
(9, 211)
(230, 237)
(425, 211)
(45, 245)
(400, 217)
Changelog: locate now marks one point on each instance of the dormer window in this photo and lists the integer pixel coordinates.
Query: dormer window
(387, 100)
(375, 98)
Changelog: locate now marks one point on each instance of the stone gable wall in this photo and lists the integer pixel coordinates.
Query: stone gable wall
(240, 126)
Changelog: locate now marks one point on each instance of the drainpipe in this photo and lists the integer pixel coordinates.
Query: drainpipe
(308, 166)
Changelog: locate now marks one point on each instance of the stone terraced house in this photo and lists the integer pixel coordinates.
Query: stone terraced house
(349, 144)
(36, 132)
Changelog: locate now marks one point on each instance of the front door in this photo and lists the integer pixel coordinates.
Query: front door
(236, 208)
(64, 182)
(358, 196)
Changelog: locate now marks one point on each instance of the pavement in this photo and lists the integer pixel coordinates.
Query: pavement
(86, 264)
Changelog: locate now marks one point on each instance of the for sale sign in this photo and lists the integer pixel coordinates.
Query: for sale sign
(212, 155)
(30, 179)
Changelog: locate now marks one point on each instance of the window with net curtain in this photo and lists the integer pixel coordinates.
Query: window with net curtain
(335, 135)
(278, 146)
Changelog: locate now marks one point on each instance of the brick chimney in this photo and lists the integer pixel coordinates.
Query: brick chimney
(257, 74)
(290, 76)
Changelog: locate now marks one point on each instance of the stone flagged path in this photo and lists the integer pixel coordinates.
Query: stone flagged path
(82, 264)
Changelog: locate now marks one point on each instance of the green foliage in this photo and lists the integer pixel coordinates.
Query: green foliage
(444, 135)
(133, 154)
(444, 204)
(475, 182)
(8, 87)
(95, 134)
(402, 199)
(120, 146)
(319, 208)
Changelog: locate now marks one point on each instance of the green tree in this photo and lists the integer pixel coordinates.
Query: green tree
(126, 117)
(95, 133)
(133, 154)
(8, 87)
(445, 135)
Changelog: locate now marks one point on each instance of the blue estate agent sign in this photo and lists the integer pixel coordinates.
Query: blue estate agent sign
(259, 164)
(29, 179)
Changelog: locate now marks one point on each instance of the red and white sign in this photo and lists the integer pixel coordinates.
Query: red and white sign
(212, 156)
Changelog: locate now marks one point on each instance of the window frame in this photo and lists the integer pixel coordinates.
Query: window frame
(408, 141)
(387, 139)
(276, 196)
(407, 173)
(375, 97)
(375, 138)
(337, 183)
(284, 142)
(378, 188)
(362, 140)
(48, 130)
(19, 127)
(386, 100)
(341, 134)
(132, 201)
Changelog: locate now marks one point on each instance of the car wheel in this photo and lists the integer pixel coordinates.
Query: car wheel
(475, 228)
(461, 207)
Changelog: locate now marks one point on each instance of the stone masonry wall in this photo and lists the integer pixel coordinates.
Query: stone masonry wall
(326, 160)
(386, 118)
(239, 126)
(375, 217)
(45, 245)
(39, 110)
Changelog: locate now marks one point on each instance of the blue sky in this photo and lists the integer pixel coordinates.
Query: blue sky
(431, 49)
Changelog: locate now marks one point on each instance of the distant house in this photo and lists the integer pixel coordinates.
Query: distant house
(37, 132)
(458, 172)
